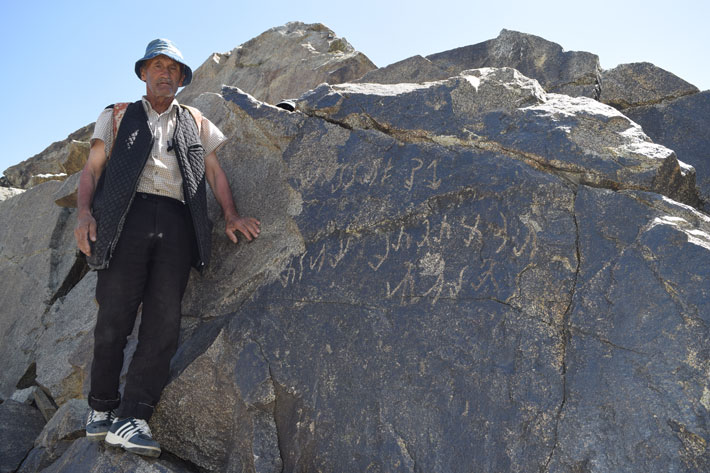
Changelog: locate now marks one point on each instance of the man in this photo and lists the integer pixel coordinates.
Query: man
(142, 223)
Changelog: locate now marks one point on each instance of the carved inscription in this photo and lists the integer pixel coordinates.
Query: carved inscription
(418, 259)
(435, 257)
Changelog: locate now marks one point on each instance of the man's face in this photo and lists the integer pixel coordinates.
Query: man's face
(162, 76)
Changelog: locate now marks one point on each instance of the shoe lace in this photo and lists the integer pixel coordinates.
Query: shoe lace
(142, 427)
(96, 416)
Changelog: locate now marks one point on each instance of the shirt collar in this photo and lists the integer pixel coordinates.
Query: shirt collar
(149, 108)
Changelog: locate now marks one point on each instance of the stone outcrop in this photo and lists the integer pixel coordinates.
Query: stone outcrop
(682, 125)
(498, 109)
(567, 72)
(60, 160)
(64, 347)
(468, 274)
(281, 63)
(641, 84)
(671, 111)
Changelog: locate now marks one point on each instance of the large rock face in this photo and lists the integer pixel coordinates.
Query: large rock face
(470, 274)
(281, 63)
(494, 289)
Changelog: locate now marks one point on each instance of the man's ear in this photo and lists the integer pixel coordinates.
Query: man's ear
(143, 72)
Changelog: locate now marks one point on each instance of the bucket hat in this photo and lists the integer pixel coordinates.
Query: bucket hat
(164, 47)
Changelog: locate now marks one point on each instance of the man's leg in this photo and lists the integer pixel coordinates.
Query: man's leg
(168, 274)
(119, 291)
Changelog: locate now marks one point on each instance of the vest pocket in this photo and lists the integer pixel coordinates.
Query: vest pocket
(195, 150)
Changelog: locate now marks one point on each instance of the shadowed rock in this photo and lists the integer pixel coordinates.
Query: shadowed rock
(57, 436)
(88, 457)
(65, 346)
(416, 69)
(19, 425)
(637, 356)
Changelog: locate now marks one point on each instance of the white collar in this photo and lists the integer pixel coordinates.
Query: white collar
(149, 108)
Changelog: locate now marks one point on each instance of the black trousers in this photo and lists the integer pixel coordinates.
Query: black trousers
(150, 265)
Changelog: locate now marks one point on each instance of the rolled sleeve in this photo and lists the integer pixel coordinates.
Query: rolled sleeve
(211, 136)
(103, 130)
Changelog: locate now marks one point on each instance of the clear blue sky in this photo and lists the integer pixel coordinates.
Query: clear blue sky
(63, 61)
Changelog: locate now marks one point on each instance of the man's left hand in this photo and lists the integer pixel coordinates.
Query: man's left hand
(248, 226)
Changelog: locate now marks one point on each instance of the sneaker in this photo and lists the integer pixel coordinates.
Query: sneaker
(133, 435)
(98, 423)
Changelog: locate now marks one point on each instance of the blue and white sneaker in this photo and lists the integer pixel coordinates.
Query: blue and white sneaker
(133, 435)
(98, 423)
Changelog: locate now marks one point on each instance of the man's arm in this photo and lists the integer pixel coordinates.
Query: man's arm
(248, 226)
(85, 224)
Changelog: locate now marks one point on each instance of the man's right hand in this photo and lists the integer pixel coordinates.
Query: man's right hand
(84, 231)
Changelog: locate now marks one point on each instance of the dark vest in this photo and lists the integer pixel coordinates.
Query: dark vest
(117, 186)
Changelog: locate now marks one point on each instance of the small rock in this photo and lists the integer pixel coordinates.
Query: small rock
(25, 396)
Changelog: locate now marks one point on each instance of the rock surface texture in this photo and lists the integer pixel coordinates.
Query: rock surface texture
(466, 274)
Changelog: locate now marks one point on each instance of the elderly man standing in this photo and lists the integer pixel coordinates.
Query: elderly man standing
(142, 223)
